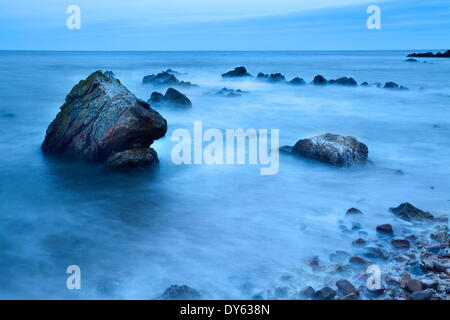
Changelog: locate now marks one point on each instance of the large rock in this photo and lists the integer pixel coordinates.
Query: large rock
(172, 97)
(408, 212)
(431, 55)
(333, 149)
(102, 121)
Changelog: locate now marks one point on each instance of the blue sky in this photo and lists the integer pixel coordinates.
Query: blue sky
(224, 25)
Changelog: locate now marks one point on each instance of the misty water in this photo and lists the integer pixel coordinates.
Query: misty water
(224, 230)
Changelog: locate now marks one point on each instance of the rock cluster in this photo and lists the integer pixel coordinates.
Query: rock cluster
(430, 55)
(165, 78)
(101, 120)
(229, 93)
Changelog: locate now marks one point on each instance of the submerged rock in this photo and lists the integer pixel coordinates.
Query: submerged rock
(385, 229)
(393, 85)
(165, 79)
(325, 293)
(408, 212)
(333, 149)
(229, 93)
(411, 60)
(238, 72)
(132, 158)
(183, 292)
(100, 119)
(171, 97)
(345, 287)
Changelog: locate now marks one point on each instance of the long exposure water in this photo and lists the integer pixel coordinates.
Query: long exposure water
(225, 230)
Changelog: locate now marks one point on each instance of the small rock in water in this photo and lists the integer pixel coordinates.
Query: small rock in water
(172, 97)
(358, 261)
(385, 229)
(345, 287)
(325, 293)
(400, 243)
(238, 72)
(353, 211)
(132, 158)
(360, 242)
(307, 293)
(344, 81)
(164, 79)
(408, 212)
(423, 294)
(413, 285)
(183, 292)
(319, 80)
(375, 253)
(429, 283)
(229, 93)
(297, 81)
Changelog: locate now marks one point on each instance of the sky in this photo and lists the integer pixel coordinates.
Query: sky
(140, 25)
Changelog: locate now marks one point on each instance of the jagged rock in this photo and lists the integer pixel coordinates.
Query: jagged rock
(408, 212)
(183, 292)
(297, 81)
(165, 79)
(333, 149)
(319, 80)
(344, 81)
(238, 72)
(273, 77)
(101, 118)
(172, 97)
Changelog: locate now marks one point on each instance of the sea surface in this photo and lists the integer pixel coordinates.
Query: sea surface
(224, 230)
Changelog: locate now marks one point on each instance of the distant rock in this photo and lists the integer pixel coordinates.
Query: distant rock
(393, 85)
(411, 60)
(333, 149)
(172, 97)
(319, 80)
(408, 212)
(165, 79)
(364, 84)
(238, 72)
(430, 55)
(176, 292)
(273, 77)
(102, 121)
(297, 82)
(344, 82)
(229, 93)
(353, 212)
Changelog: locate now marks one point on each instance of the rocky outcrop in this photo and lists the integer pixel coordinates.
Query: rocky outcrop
(238, 72)
(430, 55)
(333, 149)
(408, 212)
(172, 97)
(165, 78)
(101, 120)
